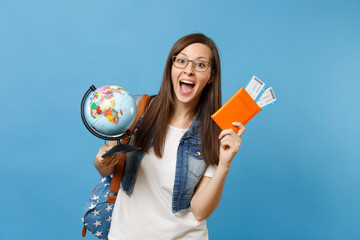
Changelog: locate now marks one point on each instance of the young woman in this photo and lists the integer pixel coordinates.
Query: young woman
(175, 182)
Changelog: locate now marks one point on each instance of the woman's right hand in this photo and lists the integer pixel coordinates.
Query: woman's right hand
(105, 165)
(109, 161)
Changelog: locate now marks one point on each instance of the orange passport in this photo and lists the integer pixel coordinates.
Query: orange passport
(240, 108)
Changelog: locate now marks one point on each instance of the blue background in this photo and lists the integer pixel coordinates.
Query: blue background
(297, 175)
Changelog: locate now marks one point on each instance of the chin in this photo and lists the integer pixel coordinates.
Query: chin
(189, 99)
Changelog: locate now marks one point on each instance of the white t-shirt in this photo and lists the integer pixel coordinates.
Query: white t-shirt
(147, 212)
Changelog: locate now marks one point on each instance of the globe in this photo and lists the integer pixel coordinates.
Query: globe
(109, 110)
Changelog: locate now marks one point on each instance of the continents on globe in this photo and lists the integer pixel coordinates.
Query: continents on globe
(103, 104)
(110, 110)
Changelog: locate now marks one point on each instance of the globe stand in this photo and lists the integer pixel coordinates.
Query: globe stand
(117, 149)
(121, 148)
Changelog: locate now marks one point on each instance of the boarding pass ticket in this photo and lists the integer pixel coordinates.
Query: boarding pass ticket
(255, 87)
(267, 98)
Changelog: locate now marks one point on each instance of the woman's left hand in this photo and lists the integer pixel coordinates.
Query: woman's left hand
(209, 190)
(230, 143)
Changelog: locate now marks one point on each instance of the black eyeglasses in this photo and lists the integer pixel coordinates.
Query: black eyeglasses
(198, 65)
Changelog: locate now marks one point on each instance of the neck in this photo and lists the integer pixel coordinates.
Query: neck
(183, 115)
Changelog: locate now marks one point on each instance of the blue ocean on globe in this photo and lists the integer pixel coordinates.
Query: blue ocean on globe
(110, 110)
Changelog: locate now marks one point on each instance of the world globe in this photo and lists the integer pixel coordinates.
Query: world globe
(109, 110)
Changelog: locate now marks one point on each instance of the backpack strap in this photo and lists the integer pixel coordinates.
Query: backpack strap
(119, 167)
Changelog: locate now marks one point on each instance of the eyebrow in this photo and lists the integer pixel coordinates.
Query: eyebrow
(196, 58)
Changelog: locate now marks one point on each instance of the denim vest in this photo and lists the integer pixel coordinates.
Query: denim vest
(190, 166)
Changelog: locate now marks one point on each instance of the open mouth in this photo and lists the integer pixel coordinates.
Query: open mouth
(186, 86)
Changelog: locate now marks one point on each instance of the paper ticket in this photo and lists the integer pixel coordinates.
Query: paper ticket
(255, 87)
(267, 98)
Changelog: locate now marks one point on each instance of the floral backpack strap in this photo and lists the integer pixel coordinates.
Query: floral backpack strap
(119, 167)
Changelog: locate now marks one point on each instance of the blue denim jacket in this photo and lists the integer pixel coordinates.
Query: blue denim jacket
(190, 166)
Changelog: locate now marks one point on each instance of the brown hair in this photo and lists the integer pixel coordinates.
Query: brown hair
(157, 117)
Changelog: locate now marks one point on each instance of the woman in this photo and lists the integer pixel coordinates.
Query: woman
(181, 170)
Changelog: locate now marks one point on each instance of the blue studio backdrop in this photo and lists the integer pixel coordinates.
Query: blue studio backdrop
(297, 174)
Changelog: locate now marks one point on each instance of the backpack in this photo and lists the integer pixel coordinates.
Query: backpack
(99, 207)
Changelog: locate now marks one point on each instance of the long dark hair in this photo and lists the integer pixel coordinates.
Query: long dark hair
(157, 117)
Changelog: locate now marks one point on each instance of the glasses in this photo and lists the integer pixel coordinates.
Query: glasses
(198, 65)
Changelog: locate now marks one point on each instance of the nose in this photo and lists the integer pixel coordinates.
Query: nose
(189, 68)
